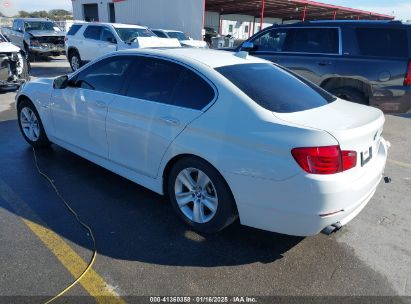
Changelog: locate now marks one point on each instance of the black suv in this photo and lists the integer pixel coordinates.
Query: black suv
(368, 62)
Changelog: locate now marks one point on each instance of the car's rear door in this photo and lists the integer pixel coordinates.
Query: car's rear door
(88, 46)
(162, 98)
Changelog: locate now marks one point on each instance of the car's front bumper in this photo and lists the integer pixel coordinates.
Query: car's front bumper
(299, 206)
(48, 49)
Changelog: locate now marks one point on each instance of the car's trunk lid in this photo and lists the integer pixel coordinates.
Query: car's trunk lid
(355, 127)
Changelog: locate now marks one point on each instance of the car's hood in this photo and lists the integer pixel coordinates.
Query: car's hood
(47, 33)
(194, 43)
(8, 47)
(153, 42)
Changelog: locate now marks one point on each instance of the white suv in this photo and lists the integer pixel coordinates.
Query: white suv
(87, 41)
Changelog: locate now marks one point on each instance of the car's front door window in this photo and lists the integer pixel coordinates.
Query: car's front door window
(107, 75)
(271, 41)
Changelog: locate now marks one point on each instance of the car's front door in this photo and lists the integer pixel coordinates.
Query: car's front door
(79, 112)
(162, 98)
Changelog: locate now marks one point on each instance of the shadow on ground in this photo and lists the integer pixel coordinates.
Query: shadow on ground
(129, 221)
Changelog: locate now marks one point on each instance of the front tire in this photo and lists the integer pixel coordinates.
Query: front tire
(30, 125)
(200, 195)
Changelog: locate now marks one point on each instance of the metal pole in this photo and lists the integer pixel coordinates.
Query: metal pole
(262, 14)
(204, 17)
(304, 13)
(335, 15)
(249, 29)
(220, 30)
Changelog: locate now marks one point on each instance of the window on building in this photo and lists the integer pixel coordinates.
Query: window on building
(246, 28)
(230, 28)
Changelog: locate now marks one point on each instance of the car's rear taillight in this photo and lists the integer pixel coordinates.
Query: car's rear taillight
(407, 80)
(324, 160)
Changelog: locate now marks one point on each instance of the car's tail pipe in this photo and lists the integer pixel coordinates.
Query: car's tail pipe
(332, 228)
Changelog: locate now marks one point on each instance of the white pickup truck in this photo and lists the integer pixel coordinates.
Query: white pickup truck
(87, 41)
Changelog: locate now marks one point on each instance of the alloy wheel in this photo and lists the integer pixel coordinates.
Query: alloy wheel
(30, 124)
(196, 195)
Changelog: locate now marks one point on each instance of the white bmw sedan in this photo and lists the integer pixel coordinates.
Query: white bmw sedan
(223, 135)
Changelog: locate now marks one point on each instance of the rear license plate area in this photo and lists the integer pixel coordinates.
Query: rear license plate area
(366, 156)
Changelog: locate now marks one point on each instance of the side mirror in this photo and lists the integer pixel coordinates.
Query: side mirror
(248, 46)
(61, 82)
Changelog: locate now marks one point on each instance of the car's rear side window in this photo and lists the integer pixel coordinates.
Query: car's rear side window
(274, 88)
(382, 42)
(92, 32)
(74, 29)
(167, 82)
(312, 40)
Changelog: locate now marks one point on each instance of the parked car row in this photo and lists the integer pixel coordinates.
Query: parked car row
(87, 41)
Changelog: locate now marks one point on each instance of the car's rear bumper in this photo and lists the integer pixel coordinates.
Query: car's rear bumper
(299, 206)
(396, 99)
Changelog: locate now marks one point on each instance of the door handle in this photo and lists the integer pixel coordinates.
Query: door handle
(324, 63)
(170, 120)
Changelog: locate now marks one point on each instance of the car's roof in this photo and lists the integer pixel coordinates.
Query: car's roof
(167, 31)
(321, 23)
(115, 25)
(34, 19)
(211, 58)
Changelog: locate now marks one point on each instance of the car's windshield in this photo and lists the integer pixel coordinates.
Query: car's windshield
(178, 35)
(128, 34)
(40, 26)
(274, 88)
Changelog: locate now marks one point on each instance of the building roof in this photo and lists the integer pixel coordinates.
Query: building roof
(291, 10)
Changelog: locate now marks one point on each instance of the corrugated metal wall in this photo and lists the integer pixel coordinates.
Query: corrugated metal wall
(183, 15)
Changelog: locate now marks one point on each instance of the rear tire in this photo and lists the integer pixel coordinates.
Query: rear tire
(350, 94)
(75, 60)
(200, 195)
(30, 125)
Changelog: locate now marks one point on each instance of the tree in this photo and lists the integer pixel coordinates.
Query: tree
(55, 14)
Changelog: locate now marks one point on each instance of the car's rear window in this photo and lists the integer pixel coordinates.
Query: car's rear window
(74, 29)
(274, 88)
(383, 42)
